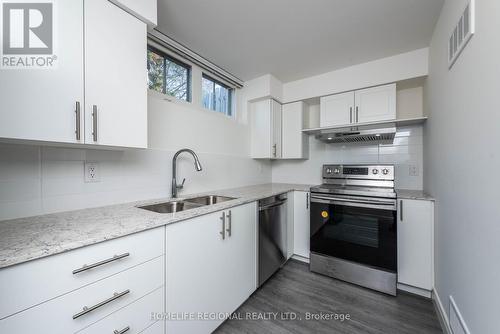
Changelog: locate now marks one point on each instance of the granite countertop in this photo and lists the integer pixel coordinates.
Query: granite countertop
(413, 194)
(30, 238)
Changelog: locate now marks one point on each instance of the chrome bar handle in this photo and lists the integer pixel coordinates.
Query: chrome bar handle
(401, 210)
(223, 231)
(229, 215)
(274, 150)
(87, 310)
(350, 115)
(94, 122)
(307, 201)
(100, 263)
(126, 329)
(357, 114)
(78, 125)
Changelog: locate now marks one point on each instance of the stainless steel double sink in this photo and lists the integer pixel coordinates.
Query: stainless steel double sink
(187, 204)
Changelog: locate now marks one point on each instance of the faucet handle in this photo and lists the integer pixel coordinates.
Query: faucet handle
(182, 184)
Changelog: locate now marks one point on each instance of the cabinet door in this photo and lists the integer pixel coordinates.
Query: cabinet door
(115, 76)
(197, 266)
(276, 130)
(261, 121)
(415, 243)
(40, 104)
(337, 109)
(376, 104)
(301, 234)
(295, 144)
(240, 254)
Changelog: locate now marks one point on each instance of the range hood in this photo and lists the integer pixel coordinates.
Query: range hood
(357, 134)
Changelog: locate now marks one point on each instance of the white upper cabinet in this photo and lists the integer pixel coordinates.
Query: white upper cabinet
(295, 143)
(376, 104)
(361, 106)
(115, 76)
(337, 109)
(40, 104)
(145, 10)
(416, 243)
(265, 124)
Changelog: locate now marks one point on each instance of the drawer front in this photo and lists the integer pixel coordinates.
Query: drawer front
(132, 319)
(32, 283)
(56, 316)
(157, 328)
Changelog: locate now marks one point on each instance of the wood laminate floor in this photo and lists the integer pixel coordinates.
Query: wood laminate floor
(295, 289)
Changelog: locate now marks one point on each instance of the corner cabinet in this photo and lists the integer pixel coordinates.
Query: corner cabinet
(97, 92)
(360, 106)
(210, 267)
(416, 245)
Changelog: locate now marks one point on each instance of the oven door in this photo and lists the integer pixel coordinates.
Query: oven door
(355, 228)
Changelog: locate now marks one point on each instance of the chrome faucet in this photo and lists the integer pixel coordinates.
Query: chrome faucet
(197, 166)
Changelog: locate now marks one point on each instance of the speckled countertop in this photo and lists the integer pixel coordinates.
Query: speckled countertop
(413, 194)
(26, 239)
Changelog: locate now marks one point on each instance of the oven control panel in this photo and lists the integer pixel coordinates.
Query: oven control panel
(377, 172)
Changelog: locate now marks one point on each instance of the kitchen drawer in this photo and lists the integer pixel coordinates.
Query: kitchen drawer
(136, 316)
(56, 316)
(157, 328)
(34, 282)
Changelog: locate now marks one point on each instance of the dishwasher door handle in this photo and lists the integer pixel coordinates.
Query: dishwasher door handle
(272, 205)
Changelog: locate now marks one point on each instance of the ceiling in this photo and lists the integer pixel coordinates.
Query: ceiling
(294, 39)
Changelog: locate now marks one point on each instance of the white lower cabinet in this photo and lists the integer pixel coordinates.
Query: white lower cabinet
(301, 234)
(210, 268)
(416, 243)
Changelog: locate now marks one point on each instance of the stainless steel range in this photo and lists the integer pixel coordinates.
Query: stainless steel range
(353, 226)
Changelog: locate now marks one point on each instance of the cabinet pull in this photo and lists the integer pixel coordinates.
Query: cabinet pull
(223, 231)
(274, 150)
(100, 263)
(307, 201)
(87, 310)
(350, 115)
(94, 122)
(126, 329)
(357, 114)
(401, 210)
(229, 215)
(77, 115)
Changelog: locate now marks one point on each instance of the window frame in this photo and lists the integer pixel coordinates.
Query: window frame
(230, 91)
(188, 67)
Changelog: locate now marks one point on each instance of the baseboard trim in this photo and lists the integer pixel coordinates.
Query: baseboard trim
(300, 258)
(441, 312)
(415, 291)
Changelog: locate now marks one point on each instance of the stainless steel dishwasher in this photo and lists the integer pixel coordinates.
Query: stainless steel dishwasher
(272, 235)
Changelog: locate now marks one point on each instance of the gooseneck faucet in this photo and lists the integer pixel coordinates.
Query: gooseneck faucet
(197, 166)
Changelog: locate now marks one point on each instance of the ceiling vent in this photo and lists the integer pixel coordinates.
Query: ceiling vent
(462, 33)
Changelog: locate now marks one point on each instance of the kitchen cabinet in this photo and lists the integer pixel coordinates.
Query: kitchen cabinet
(115, 91)
(416, 243)
(265, 124)
(85, 99)
(301, 218)
(210, 266)
(295, 143)
(40, 104)
(360, 106)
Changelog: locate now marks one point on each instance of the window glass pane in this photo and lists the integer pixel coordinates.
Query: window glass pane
(221, 99)
(176, 77)
(207, 93)
(155, 71)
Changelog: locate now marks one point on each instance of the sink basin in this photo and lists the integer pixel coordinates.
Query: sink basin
(209, 199)
(171, 207)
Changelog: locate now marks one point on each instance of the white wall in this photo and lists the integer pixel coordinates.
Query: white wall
(405, 151)
(461, 165)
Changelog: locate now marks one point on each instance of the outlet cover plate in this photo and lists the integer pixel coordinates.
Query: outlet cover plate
(91, 170)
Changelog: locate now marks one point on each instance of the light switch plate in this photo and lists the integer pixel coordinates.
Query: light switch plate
(91, 172)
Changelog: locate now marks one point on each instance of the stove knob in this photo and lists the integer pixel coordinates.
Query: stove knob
(336, 171)
(328, 171)
(375, 171)
(385, 171)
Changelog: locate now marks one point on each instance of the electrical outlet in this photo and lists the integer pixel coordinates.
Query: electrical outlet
(413, 170)
(91, 172)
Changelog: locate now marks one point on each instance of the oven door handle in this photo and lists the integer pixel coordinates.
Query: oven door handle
(391, 205)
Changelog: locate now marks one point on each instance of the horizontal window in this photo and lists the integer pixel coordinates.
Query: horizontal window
(168, 76)
(216, 96)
